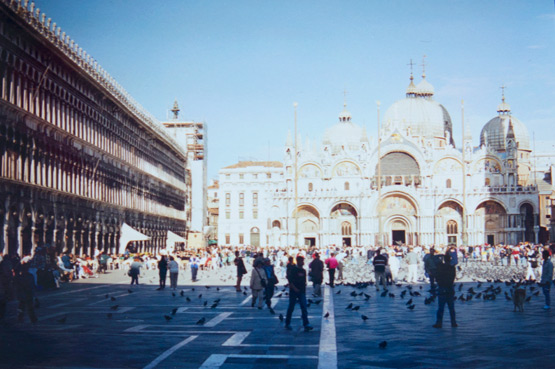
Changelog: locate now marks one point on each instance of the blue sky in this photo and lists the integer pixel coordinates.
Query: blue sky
(240, 65)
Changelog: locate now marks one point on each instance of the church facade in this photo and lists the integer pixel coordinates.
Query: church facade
(412, 186)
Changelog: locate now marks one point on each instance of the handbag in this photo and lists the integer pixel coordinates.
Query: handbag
(262, 280)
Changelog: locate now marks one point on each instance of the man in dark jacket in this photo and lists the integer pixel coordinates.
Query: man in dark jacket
(296, 275)
(163, 269)
(317, 274)
(430, 268)
(380, 262)
(445, 277)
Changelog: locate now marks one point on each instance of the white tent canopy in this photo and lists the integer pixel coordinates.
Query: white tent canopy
(172, 239)
(129, 234)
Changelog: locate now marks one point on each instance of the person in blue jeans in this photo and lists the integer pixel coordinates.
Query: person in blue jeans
(547, 278)
(296, 275)
(445, 277)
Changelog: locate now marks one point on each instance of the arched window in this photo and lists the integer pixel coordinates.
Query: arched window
(346, 229)
(452, 227)
(448, 183)
(310, 187)
(347, 186)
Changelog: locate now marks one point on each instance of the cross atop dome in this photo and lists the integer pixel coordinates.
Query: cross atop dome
(175, 110)
(411, 89)
(503, 108)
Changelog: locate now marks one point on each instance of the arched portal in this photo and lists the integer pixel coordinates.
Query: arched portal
(447, 223)
(255, 237)
(491, 217)
(344, 224)
(307, 223)
(527, 222)
(398, 213)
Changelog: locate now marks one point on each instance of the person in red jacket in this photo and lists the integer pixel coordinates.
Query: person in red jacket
(332, 264)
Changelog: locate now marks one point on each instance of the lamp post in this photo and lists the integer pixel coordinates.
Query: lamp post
(296, 181)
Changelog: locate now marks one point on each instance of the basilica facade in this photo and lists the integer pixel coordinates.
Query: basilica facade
(413, 185)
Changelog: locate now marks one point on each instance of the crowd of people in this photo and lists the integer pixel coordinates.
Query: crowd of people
(46, 269)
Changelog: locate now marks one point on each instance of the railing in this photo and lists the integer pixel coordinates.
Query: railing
(53, 33)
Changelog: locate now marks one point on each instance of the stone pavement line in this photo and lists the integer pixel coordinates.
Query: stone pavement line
(68, 292)
(246, 300)
(215, 361)
(64, 303)
(217, 320)
(327, 354)
(167, 353)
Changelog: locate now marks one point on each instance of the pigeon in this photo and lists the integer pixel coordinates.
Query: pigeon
(217, 288)
(354, 294)
(383, 344)
(355, 308)
(62, 320)
(106, 296)
(364, 317)
(109, 315)
(193, 289)
(174, 311)
(272, 311)
(244, 293)
(173, 294)
(201, 321)
(317, 302)
(129, 291)
(182, 293)
(279, 295)
(327, 315)
(528, 298)
(411, 307)
(460, 287)
(112, 298)
(168, 318)
(214, 305)
(205, 303)
(115, 307)
(338, 292)
(200, 296)
(207, 287)
(349, 307)
(536, 293)
(281, 318)
(384, 293)
(409, 302)
(188, 299)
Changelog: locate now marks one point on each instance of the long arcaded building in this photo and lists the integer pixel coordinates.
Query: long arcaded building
(78, 156)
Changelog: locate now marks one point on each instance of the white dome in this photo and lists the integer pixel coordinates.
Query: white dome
(495, 132)
(345, 133)
(425, 88)
(424, 117)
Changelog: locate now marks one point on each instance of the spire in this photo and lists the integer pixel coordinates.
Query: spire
(510, 130)
(344, 116)
(289, 140)
(175, 110)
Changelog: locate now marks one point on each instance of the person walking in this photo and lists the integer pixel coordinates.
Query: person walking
(6, 283)
(332, 264)
(241, 270)
(173, 266)
(135, 270)
(547, 278)
(446, 293)
(380, 261)
(316, 268)
(194, 264)
(25, 289)
(162, 271)
(259, 281)
(296, 276)
(412, 261)
(272, 281)
(430, 268)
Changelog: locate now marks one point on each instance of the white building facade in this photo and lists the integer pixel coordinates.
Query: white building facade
(431, 192)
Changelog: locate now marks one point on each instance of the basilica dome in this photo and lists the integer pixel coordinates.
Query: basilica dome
(345, 134)
(495, 131)
(418, 114)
